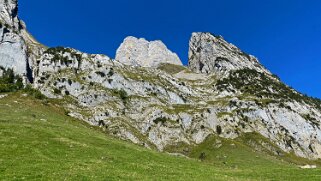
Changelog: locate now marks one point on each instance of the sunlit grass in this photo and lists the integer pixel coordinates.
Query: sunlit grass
(39, 142)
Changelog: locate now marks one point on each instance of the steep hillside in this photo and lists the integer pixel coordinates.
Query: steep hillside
(39, 142)
(147, 97)
(161, 108)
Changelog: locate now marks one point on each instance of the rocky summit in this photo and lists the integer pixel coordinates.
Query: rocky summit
(209, 53)
(147, 97)
(140, 52)
(18, 49)
(13, 51)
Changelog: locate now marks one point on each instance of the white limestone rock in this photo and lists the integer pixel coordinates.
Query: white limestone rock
(160, 109)
(3, 95)
(13, 51)
(308, 167)
(212, 54)
(13, 47)
(189, 108)
(9, 13)
(140, 52)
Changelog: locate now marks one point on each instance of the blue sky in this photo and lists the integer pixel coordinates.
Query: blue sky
(284, 34)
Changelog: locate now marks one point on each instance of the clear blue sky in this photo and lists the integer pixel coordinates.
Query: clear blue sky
(284, 34)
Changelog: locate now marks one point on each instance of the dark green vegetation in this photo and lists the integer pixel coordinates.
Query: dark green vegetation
(38, 141)
(9, 82)
(160, 120)
(58, 55)
(33, 93)
(251, 82)
(122, 94)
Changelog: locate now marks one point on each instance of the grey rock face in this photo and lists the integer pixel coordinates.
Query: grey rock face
(139, 52)
(9, 13)
(156, 108)
(160, 110)
(212, 54)
(15, 51)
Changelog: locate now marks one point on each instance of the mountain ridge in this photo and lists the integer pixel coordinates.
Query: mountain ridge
(223, 92)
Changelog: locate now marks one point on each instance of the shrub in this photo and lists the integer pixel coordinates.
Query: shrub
(218, 129)
(123, 94)
(111, 72)
(34, 92)
(58, 55)
(259, 84)
(102, 74)
(67, 112)
(9, 82)
(202, 156)
(69, 81)
(57, 91)
(161, 120)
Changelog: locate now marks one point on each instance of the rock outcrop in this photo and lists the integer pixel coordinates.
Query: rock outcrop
(159, 107)
(13, 51)
(9, 13)
(209, 53)
(140, 52)
(153, 108)
(18, 50)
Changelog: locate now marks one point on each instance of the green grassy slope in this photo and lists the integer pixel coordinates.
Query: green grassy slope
(37, 141)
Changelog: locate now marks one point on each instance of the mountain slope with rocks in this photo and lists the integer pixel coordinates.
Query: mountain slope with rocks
(147, 97)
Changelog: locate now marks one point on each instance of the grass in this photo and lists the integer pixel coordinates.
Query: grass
(244, 161)
(39, 142)
(222, 114)
(171, 68)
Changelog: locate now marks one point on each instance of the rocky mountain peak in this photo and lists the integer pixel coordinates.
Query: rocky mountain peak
(169, 105)
(209, 53)
(13, 49)
(140, 52)
(9, 13)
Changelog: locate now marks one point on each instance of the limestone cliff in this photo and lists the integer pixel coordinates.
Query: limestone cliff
(147, 97)
(140, 52)
(209, 53)
(18, 49)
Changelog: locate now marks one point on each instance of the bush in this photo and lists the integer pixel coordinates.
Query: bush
(58, 55)
(218, 129)
(161, 120)
(102, 74)
(9, 82)
(69, 81)
(259, 84)
(57, 91)
(123, 94)
(34, 92)
(202, 156)
(111, 72)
